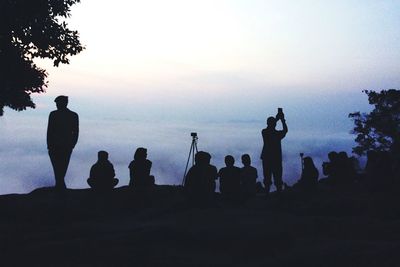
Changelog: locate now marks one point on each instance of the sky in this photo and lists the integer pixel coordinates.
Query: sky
(154, 71)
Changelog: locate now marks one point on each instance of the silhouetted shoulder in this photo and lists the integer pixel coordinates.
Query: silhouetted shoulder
(264, 131)
(221, 171)
(249, 169)
(72, 114)
(213, 171)
(131, 164)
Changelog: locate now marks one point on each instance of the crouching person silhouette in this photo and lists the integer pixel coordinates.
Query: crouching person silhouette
(200, 180)
(139, 170)
(271, 154)
(102, 173)
(62, 136)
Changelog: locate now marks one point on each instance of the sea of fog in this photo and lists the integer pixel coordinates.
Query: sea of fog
(25, 165)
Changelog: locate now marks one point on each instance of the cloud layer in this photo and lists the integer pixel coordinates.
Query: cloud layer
(25, 164)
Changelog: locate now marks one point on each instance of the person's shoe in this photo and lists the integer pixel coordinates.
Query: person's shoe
(279, 189)
(60, 188)
(267, 192)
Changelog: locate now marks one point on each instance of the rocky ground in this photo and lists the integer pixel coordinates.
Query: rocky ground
(348, 227)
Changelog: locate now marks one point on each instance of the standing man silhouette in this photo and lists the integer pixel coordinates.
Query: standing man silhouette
(271, 154)
(62, 136)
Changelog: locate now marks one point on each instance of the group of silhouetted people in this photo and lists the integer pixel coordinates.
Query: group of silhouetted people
(380, 173)
(102, 174)
(238, 182)
(341, 169)
(234, 182)
(62, 136)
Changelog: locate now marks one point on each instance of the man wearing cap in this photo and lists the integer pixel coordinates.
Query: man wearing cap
(62, 136)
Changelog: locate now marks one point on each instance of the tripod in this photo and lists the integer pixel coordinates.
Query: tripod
(193, 150)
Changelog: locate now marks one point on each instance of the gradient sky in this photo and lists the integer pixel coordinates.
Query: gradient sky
(164, 68)
(166, 57)
(144, 47)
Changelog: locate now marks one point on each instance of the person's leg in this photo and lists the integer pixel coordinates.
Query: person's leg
(65, 157)
(277, 172)
(54, 163)
(56, 157)
(267, 171)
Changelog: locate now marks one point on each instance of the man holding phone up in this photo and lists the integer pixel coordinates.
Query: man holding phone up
(271, 154)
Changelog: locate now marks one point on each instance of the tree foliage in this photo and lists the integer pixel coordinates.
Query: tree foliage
(379, 129)
(31, 29)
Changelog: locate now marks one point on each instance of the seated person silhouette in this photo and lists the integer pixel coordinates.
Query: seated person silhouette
(309, 176)
(102, 173)
(248, 177)
(212, 171)
(229, 182)
(330, 169)
(346, 172)
(139, 169)
(200, 179)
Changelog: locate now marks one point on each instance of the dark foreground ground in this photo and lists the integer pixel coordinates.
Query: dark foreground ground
(158, 228)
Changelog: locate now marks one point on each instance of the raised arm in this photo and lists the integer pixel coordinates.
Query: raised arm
(284, 131)
(284, 125)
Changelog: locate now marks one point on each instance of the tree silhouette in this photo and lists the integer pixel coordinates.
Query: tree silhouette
(31, 29)
(379, 129)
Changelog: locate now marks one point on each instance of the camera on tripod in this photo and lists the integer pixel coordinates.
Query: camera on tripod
(192, 153)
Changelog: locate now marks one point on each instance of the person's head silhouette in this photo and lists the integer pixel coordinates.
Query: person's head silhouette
(229, 161)
(140, 154)
(207, 157)
(308, 163)
(61, 102)
(246, 160)
(102, 155)
(332, 156)
(201, 158)
(342, 155)
(271, 122)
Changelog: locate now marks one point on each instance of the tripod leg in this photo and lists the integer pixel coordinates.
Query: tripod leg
(187, 164)
(193, 152)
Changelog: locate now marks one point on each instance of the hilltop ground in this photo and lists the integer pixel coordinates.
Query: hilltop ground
(158, 228)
